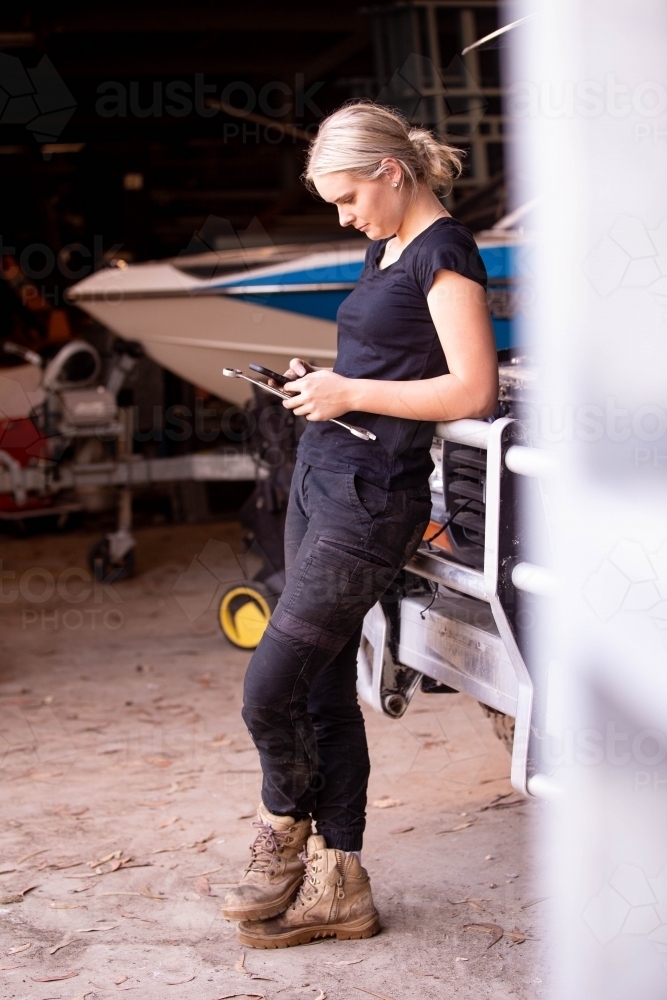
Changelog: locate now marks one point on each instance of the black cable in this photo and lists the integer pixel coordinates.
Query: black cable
(422, 613)
(449, 521)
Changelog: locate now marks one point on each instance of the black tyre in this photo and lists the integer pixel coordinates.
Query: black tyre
(503, 726)
(244, 613)
(103, 570)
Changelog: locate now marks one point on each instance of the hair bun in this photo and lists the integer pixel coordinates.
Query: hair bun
(440, 163)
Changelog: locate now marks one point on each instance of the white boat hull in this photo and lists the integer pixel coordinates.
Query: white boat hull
(196, 337)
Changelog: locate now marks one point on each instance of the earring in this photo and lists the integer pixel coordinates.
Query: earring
(395, 184)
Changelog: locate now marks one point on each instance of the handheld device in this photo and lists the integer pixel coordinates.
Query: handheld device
(359, 432)
(280, 379)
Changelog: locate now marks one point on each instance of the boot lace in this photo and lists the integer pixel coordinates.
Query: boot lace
(309, 884)
(266, 845)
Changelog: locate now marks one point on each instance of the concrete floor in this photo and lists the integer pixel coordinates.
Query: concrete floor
(121, 738)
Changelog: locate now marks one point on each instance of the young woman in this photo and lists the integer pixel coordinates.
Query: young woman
(415, 345)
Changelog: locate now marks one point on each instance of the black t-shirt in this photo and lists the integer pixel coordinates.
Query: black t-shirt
(385, 332)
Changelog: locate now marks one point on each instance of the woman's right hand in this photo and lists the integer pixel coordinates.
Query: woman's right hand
(297, 369)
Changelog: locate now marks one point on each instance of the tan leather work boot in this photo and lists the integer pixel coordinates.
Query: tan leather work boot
(334, 900)
(272, 879)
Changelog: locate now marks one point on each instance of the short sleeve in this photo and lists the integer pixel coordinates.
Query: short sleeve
(448, 248)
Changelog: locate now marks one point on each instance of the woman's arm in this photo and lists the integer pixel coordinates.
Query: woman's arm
(461, 317)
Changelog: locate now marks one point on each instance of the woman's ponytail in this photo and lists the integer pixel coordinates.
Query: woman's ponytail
(440, 163)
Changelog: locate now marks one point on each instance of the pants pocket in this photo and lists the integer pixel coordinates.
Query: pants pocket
(371, 498)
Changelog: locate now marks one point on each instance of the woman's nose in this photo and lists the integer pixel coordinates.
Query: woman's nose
(345, 218)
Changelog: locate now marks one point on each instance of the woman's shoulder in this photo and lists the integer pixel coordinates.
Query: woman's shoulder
(447, 245)
(447, 231)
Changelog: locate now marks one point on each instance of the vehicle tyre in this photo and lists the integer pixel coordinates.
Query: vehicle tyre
(103, 570)
(503, 726)
(244, 613)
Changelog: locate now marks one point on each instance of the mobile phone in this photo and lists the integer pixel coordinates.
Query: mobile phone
(280, 379)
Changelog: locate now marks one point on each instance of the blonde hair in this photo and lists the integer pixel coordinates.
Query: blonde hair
(358, 136)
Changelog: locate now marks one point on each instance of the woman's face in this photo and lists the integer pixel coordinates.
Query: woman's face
(375, 208)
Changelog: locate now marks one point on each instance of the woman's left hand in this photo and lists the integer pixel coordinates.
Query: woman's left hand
(321, 395)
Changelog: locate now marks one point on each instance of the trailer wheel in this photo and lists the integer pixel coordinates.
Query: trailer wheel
(103, 570)
(244, 613)
(503, 726)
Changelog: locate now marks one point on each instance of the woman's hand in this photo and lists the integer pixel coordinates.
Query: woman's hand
(297, 369)
(321, 395)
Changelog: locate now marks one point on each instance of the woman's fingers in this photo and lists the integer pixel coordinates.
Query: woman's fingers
(298, 368)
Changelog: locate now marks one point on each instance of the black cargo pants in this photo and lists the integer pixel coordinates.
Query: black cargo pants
(345, 541)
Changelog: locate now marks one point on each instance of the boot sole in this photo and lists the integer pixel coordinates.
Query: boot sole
(342, 932)
(272, 909)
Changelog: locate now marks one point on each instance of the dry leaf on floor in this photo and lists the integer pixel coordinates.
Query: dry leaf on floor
(44, 776)
(353, 961)
(85, 888)
(145, 891)
(16, 897)
(121, 989)
(372, 993)
(246, 996)
(115, 855)
(69, 906)
(499, 802)
(135, 916)
(495, 930)
(31, 854)
(212, 871)
(532, 902)
(518, 937)
(168, 822)
(386, 803)
(455, 829)
(22, 947)
(247, 815)
(62, 944)
(54, 979)
(179, 982)
(459, 959)
(10, 968)
(402, 829)
(202, 886)
(238, 965)
(7, 871)
(89, 930)
(159, 761)
(221, 742)
(123, 979)
(321, 995)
